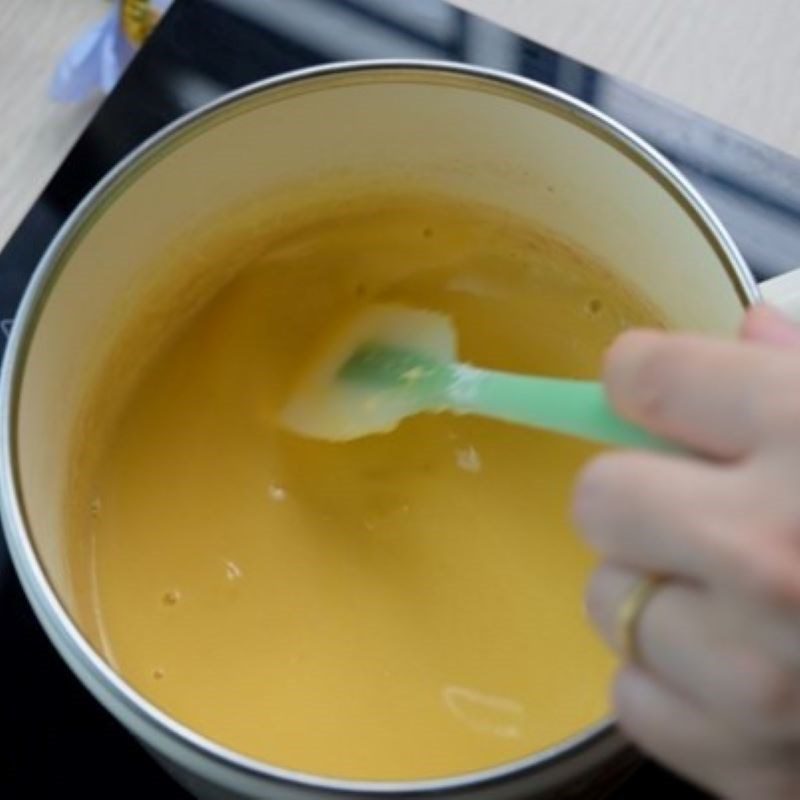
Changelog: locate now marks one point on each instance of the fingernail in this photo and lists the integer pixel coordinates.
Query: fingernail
(768, 325)
(629, 377)
(584, 500)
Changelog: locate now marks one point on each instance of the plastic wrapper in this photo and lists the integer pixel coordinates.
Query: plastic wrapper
(95, 62)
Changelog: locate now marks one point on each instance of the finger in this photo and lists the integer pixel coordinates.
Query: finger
(684, 644)
(710, 525)
(766, 325)
(672, 731)
(699, 747)
(699, 392)
(663, 515)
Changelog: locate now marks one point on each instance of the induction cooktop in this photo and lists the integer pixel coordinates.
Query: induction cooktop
(59, 741)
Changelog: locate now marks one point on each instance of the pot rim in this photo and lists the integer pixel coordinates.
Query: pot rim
(90, 667)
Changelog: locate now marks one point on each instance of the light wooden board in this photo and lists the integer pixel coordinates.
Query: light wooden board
(35, 133)
(737, 61)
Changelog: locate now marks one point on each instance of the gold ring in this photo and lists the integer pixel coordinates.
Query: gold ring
(629, 613)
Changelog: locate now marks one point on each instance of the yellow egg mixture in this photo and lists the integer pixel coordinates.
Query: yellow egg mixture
(402, 606)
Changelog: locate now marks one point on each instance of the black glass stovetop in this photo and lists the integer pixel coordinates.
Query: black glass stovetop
(59, 742)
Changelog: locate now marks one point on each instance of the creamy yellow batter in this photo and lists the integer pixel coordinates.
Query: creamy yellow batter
(397, 607)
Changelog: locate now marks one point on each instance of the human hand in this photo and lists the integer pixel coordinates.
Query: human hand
(714, 688)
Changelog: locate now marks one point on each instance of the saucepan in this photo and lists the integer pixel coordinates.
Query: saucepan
(472, 133)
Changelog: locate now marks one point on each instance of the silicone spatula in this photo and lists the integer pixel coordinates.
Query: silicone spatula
(390, 362)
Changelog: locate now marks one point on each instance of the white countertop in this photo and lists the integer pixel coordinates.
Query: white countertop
(733, 60)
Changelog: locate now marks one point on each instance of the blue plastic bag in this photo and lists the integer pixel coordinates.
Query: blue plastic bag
(97, 59)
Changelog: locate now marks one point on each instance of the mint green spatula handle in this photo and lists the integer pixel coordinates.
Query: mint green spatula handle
(577, 408)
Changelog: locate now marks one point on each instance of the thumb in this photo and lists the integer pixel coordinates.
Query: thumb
(767, 325)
